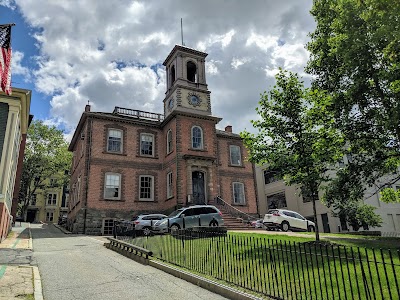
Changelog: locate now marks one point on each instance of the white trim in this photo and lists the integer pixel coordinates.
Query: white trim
(151, 188)
(242, 190)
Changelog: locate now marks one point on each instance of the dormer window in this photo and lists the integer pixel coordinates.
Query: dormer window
(191, 71)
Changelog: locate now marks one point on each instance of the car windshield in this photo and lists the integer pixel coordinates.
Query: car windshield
(175, 213)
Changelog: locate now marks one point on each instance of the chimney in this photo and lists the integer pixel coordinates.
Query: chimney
(228, 128)
(87, 108)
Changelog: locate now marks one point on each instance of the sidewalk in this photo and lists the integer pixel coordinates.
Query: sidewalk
(19, 278)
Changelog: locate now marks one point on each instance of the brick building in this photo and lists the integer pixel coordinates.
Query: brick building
(129, 161)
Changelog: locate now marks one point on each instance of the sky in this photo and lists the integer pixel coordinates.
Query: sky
(110, 53)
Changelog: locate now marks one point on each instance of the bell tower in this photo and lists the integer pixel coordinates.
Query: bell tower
(186, 82)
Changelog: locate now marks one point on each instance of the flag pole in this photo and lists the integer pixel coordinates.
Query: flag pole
(6, 25)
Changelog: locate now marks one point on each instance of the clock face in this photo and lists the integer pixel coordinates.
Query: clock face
(194, 99)
(171, 104)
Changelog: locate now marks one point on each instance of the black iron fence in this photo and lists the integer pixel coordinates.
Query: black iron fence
(281, 270)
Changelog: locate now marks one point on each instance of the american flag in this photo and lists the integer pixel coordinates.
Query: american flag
(5, 59)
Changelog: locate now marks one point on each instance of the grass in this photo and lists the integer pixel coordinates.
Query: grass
(289, 267)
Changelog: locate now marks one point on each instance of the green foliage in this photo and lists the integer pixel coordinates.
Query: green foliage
(355, 58)
(294, 136)
(390, 195)
(46, 155)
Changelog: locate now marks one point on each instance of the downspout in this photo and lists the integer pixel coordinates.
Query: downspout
(87, 169)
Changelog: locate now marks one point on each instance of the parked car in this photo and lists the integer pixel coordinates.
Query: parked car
(287, 220)
(257, 223)
(189, 217)
(144, 223)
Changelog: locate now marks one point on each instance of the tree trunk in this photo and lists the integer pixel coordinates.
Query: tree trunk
(314, 199)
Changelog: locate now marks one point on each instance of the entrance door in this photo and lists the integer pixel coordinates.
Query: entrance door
(325, 222)
(30, 215)
(198, 188)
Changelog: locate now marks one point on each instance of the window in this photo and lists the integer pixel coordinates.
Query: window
(172, 75)
(146, 144)
(276, 201)
(51, 199)
(49, 216)
(33, 200)
(112, 186)
(53, 182)
(108, 226)
(270, 177)
(169, 141)
(114, 141)
(307, 196)
(191, 71)
(197, 137)
(238, 193)
(169, 185)
(235, 155)
(146, 188)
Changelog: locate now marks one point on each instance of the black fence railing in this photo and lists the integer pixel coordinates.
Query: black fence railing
(281, 270)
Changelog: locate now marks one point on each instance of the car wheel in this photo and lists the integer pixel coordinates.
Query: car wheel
(285, 226)
(174, 229)
(146, 231)
(311, 228)
(213, 223)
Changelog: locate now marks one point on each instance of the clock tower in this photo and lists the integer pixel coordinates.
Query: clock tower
(186, 82)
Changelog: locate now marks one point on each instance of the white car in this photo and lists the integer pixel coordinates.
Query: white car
(287, 220)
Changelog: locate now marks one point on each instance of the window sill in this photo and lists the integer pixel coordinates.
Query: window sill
(236, 166)
(147, 156)
(198, 150)
(111, 199)
(114, 153)
(239, 204)
(145, 200)
(169, 198)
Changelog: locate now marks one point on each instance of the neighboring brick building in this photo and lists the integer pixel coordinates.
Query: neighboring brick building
(14, 123)
(129, 161)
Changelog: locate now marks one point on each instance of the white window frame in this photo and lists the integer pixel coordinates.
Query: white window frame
(169, 141)
(231, 147)
(152, 144)
(201, 137)
(241, 184)
(151, 188)
(49, 215)
(169, 185)
(121, 133)
(53, 200)
(109, 183)
(33, 199)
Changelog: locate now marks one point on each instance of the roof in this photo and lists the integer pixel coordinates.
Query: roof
(228, 134)
(184, 49)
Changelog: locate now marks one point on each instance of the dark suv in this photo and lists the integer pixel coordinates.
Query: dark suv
(189, 217)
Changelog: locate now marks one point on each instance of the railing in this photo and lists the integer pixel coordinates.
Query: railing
(281, 270)
(233, 211)
(138, 114)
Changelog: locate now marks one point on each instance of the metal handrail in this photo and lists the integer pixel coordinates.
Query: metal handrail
(233, 210)
(138, 114)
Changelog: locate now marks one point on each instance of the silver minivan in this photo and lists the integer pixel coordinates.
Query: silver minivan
(189, 217)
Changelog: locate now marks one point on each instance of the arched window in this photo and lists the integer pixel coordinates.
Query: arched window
(197, 137)
(172, 75)
(191, 71)
(169, 141)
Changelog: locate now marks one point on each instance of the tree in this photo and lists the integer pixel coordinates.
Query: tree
(46, 155)
(355, 58)
(345, 194)
(294, 137)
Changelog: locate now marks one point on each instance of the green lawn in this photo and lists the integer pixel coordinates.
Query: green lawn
(289, 267)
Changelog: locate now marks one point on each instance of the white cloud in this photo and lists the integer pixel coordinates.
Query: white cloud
(16, 66)
(8, 3)
(110, 52)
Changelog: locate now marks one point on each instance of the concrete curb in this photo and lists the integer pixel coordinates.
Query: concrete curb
(207, 284)
(62, 229)
(37, 284)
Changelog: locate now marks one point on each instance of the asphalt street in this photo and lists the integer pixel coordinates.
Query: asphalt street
(80, 267)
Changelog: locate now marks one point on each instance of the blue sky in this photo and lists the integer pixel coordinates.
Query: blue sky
(111, 52)
(22, 41)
